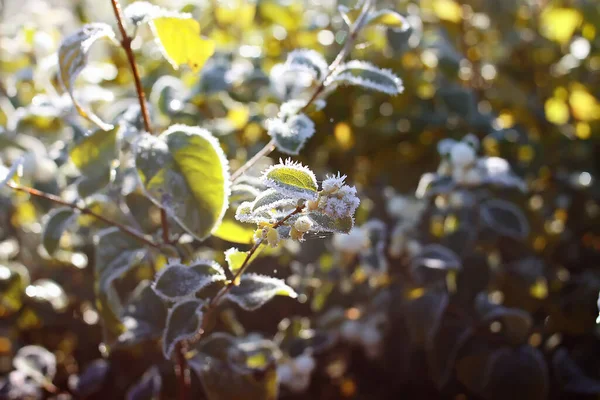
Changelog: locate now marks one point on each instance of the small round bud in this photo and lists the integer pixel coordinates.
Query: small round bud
(462, 155)
(304, 363)
(303, 224)
(350, 331)
(285, 373)
(273, 237)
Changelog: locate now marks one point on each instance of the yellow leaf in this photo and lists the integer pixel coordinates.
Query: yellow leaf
(557, 111)
(343, 135)
(238, 116)
(584, 105)
(239, 13)
(447, 10)
(180, 41)
(559, 24)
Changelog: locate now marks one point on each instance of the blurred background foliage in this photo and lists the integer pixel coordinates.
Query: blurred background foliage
(518, 319)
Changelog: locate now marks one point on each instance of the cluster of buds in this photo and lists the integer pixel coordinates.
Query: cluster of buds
(337, 199)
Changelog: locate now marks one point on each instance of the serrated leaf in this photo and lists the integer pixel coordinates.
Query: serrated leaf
(176, 281)
(180, 42)
(505, 218)
(388, 18)
(116, 253)
(368, 76)
(185, 171)
(292, 179)
(291, 135)
(143, 316)
(183, 322)
(36, 362)
(256, 290)
(59, 219)
(147, 387)
(72, 59)
(327, 223)
(94, 156)
(268, 199)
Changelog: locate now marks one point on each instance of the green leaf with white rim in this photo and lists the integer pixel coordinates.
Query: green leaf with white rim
(59, 219)
(94, 157)
(256, 290)
(177, 281)
(292, 180)
(183, 322)
(368, 76)
(185, 171)
(116, 253)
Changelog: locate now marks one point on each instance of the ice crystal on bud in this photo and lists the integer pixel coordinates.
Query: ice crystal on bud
(303, 224)
(338, 199)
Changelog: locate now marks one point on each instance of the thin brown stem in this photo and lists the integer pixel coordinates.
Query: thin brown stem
(182, 370)
(126, 44)
(346, 49)
(84, 210)
(164, 221)
(214, 302)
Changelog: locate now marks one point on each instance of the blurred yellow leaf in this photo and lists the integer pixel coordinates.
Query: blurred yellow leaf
(286, 16)
(238, 13)
(180, 41)
(584, 105)
(559, 23)
(447, 10)
(238, 116)
(557, 111)
(343, 135)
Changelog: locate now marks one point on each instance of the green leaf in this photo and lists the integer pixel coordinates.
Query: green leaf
(388, 18)
(269, 199)
(235, 258)
(231, 369)
(292, 179)
(176, 281)
(505, 218)
(185, 171)
(143, 316)
(183, 322)
(94, 156)
(116, 253)
(59, 219)
(326, 223)
(72, 59)
(368, 76)
(234, 231)
(255, 290)
(291, 135)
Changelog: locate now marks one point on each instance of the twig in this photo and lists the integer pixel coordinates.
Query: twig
(214, 302)
(269, 147)
(84, 210)
(354, 31)
(126, 44)
(182, 370)
(164, 221)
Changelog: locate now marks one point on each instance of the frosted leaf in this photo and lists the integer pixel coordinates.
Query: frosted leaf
(289, 83)
(73, 57)
(388, 18)
(255, 290)
(306, 58)
(364, 74)
(183, 322)
(292, 179)
(291, 135)
(176, 281)
(36, 362)
(505, 218)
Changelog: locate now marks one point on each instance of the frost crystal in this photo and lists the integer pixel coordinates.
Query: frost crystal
(338, 200)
